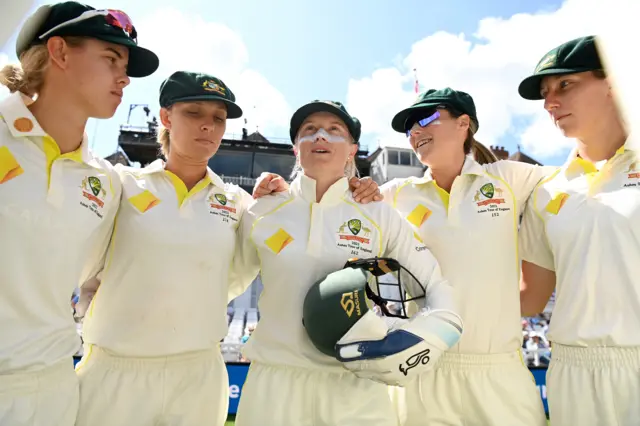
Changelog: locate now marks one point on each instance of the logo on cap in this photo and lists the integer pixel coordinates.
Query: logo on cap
(548, 61)
(212, 86)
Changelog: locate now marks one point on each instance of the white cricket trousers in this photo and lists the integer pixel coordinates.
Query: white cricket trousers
(47, 397)
(472, 390)
(594, 386)
(179, 390)
(288, 396)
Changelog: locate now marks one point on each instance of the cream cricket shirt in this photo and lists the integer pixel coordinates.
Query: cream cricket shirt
(56, 217)
(165, 283)
(295, 241)
(473, 232)
(583, 222)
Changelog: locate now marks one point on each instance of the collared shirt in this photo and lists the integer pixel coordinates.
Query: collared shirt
(295, 241)
(56, 217)
(473, 232)
(583, 222)
(165, 283)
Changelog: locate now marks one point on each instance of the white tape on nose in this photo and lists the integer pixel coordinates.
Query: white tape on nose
(322, 133)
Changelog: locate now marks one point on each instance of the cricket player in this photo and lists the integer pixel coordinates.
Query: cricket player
(153, 329)
(296, 238)
(580, 235)
(57, 199)
(466, 211)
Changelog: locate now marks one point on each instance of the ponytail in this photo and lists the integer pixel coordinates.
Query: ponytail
(481, 153)
(27, 77)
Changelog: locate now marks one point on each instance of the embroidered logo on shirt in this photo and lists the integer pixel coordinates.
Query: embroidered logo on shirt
(144, 201)
(633, 171)
(419, 215)
(9, 166)
(350, 237)
(93, 191)
(220, 201)
(278, 241)
(489, 197)
(556, 203)
(221, 205)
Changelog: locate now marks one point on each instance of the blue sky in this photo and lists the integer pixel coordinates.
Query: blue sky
(280, 54)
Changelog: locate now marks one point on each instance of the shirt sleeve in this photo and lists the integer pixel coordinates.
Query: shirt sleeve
(95, 260)
(245, 265)
(404, 245)
(534, 246)
(389, 191)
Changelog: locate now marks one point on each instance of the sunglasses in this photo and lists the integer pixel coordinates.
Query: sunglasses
(423, 122)
(114, 18)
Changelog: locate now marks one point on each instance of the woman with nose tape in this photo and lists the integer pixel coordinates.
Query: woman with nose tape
(466, 208)
(294, 239)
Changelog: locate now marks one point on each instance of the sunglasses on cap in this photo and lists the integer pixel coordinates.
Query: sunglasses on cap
(115, 18)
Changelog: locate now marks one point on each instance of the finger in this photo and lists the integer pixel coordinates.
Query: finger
(368, 194)
(278, 184)
(354, 182)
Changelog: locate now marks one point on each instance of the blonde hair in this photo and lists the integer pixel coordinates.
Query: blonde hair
(481, 153)
(164, 140)
(28, 76)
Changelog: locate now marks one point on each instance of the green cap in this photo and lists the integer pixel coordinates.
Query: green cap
(332, 306)
(578, 55)
(431, 99)
(333, 107)
(184, 86)
(56, 20)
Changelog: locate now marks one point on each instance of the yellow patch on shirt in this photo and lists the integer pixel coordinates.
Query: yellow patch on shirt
(419, 215)
(9, 166)
(556, 203)
(278, 241)
(144, 201)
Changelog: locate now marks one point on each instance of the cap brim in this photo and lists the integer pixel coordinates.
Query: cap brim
(399, 120)
(305, 111)
(529, 88)
(233, 110)
(142, 62)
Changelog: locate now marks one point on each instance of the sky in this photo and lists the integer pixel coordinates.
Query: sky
(280, 54)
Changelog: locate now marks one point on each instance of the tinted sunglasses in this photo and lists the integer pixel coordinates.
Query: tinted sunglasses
(114, 18)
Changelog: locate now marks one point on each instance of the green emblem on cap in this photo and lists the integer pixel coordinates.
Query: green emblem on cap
(546, 62)
(212, 86)
(222, 199)
(354, 226)
(95, 185)
(487, 190)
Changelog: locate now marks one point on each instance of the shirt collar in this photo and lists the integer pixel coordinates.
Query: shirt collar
(305, 187)
(469, 167)
(158, 166)
(21, 123)
(575, 164)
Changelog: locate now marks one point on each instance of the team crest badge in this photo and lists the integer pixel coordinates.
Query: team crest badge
(355, 225)
(94, 194)
(487, 190)
(95, 185)
(212, 86)
(221, 198)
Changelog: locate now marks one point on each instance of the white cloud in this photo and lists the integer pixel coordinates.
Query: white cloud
(489, 65)
(193, 44)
